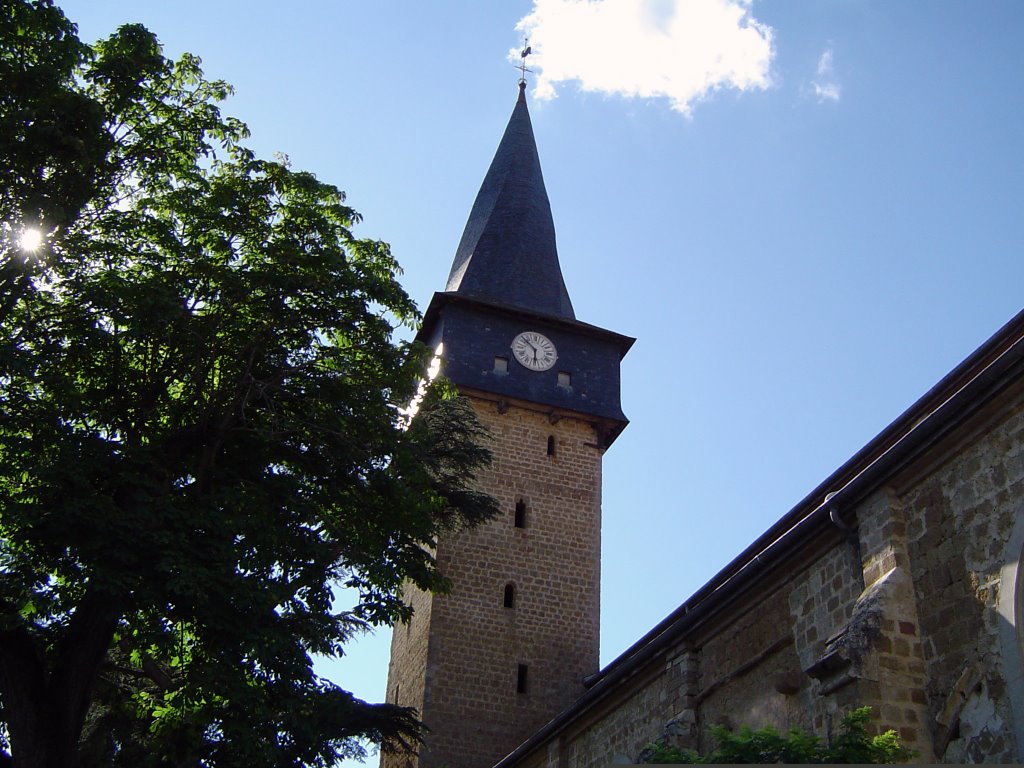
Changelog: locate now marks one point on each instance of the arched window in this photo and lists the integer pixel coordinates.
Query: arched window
(510, 596)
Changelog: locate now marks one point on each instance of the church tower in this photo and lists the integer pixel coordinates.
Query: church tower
(509, 648)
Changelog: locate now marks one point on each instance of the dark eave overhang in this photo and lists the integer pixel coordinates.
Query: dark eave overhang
(986, 373)
(441, 299)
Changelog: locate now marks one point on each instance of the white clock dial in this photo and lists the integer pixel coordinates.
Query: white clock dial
(534, 350)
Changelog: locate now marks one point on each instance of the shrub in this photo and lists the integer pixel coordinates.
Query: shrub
(853, 744)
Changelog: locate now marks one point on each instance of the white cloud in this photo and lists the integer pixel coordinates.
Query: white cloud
(825, 87)
(675, 49)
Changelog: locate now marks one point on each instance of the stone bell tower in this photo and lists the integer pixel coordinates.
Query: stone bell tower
(490, 663)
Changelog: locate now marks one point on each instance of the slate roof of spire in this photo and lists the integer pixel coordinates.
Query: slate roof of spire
(507, 254)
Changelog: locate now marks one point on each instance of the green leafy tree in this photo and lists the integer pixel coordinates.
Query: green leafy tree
(200, 425)
(853, 744)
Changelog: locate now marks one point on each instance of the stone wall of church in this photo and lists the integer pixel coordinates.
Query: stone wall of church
(880, 643)
(749, 669)
(821, 604)
(914, 610)
(646, 703)
(963, 527)
(729, 673)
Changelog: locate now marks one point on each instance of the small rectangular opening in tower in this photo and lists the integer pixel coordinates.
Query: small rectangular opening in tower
(520, 518)
(501, 365)
(564, 379)
(521, 679)
(551, 445)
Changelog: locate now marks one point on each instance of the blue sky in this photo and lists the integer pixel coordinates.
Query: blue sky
(806, 213)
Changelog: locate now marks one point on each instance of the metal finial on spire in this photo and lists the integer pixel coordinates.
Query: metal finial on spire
(527, 50)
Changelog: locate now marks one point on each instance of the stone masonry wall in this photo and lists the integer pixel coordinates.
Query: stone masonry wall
(909, 612)
(477, 646)
(639, 717)
(735, 674)
(959, 525)
(407, 671)
(821, 603)
(750, 672)
(888, 665)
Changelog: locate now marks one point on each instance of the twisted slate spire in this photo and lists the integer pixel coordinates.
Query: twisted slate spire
(507, 253)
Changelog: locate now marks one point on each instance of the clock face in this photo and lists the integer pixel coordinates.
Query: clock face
(534, 350)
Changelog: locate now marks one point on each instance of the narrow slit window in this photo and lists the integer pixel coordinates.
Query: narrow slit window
(510, 596)
(520, 514)
(501, 365)
(551, 445)
(521, 679)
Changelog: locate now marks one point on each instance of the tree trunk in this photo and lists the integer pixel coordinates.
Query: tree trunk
(45, 711)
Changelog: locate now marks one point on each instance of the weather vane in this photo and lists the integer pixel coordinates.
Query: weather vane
(527, 50)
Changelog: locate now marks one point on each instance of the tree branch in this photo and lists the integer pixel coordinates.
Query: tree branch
(78, 660)
(150, 669)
